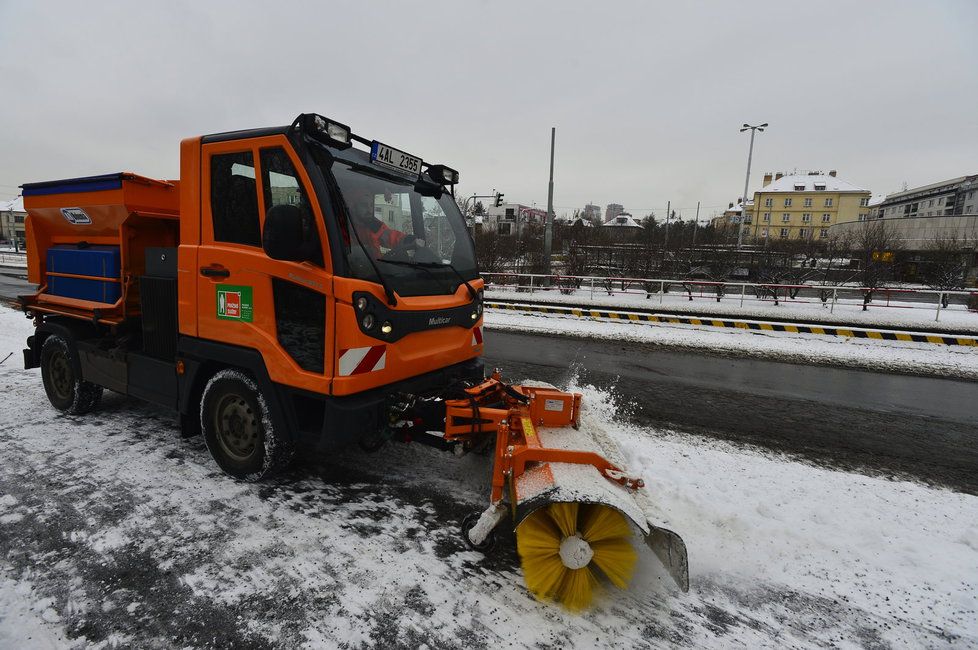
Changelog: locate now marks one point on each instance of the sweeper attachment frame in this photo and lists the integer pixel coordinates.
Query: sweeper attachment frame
(563, 481)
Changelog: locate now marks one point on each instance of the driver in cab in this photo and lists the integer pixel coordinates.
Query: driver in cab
(373, 233)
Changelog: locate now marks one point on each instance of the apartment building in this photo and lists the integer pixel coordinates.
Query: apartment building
(803, 205)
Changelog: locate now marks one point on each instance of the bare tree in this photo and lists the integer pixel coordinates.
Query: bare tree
(876, 243)
(946, 264)
(835, 253)
(490, 251)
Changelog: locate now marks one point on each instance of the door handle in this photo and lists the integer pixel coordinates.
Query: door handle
(214, 272)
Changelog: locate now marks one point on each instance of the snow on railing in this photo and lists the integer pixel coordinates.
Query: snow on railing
(826, 294)
(13, 259)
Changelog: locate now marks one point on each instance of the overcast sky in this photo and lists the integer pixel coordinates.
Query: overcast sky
(647, 97)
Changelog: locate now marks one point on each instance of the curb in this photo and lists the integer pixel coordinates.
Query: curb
(761, 326)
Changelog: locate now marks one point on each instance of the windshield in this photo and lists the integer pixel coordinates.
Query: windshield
(418, 243)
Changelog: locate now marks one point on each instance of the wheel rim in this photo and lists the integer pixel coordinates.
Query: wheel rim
(238, 427)
(62, 378)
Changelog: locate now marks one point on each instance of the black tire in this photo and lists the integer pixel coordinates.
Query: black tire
(62, 377)
(238, 429)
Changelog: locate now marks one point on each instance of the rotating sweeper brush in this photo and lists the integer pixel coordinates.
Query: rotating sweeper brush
(576, 511)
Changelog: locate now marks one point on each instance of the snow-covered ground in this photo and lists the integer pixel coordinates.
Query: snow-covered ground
(114, 531)
(848, 310)
(893, 356)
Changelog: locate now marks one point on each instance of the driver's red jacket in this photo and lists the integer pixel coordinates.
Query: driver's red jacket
(376, 234)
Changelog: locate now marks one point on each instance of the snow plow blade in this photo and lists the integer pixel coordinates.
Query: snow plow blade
(575, 508)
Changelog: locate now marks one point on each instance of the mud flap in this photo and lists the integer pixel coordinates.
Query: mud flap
(671, 551)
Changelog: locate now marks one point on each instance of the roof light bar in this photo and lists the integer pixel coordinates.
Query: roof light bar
(326, 130)
(443, 175)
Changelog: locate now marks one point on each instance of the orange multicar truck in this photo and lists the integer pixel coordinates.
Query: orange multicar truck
(300, 288)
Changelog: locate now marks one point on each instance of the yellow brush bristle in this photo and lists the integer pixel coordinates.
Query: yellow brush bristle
(538, 540)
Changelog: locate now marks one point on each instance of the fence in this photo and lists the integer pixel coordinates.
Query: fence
(829, 296)
(13, 259)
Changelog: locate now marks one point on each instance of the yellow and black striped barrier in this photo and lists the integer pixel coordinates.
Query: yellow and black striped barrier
(760, 326)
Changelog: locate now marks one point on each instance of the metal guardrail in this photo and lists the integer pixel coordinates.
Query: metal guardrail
(764, 292)
(19, 259)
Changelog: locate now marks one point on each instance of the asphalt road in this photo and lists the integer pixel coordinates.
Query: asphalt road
(920, 427)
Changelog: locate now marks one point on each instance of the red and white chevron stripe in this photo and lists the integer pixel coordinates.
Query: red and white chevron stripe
(357, 361)
(476, 336)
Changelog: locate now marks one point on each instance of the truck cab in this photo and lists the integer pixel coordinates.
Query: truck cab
(313, 275)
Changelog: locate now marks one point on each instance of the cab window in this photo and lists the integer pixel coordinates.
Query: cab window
(282, 186)
(234, 199)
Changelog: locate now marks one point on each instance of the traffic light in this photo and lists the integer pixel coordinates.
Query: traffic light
(499, 199)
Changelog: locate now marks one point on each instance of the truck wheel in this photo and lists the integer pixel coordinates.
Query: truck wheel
(62, 377)
(237, 428)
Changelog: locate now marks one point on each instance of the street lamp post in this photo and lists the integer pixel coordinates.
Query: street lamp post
(743, 204)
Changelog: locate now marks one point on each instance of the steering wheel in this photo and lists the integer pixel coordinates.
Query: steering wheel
(411, 243)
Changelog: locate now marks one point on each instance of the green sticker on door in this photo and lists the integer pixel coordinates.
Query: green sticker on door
(234, 303)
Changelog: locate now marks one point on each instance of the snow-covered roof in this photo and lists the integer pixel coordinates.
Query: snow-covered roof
(877, 198)
(17, 205)
(623, 220)
(740, 206)
(808, 183)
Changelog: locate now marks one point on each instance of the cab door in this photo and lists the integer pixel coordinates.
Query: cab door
(283, 309)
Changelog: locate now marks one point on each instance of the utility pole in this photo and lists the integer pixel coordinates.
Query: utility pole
(548, 235)
(743, 204)
(665, 241)
(696, 224)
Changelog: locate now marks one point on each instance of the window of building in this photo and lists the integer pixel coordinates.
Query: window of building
(806, 217)
(510, 212)
(828, 203)
(862, 217)
(863, 202)
(930, 204)
(784, 233)
(823, 233)
(767, 217)
(826, 217)
(906, 209)
(913, 207)
(768, 203)
(763, 232)
(234, 199)
(786, 217)
(808, 202)
(748, 218)
(802, 233)
(787, 202)
(819, 186)
(18, 218)
(799, 187)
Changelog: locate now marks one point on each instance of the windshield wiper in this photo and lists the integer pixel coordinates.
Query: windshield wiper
(435, 265)
(414, 265)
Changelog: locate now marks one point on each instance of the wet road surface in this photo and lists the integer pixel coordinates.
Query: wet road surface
(920, 427)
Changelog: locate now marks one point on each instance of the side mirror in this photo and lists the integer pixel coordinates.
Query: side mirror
(283, 238)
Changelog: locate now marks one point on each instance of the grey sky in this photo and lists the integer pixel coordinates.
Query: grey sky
(647, 97)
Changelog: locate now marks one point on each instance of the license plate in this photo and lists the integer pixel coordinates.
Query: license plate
(381, 154)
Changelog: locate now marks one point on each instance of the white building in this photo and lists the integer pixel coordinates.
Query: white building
(954, 196)
(507, 218)
(12, 215)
